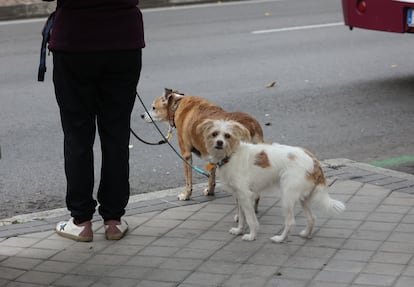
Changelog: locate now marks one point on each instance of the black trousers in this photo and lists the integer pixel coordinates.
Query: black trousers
(96, 90)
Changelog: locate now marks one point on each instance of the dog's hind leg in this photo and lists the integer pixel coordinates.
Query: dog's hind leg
(211, 183)
(289, 199)
(188, 178)
(310, 220)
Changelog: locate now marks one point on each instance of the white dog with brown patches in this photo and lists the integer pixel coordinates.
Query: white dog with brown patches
(247, 169)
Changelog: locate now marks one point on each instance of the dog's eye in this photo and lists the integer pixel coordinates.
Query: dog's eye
(214, 134)
(153, 108)
(227, 136)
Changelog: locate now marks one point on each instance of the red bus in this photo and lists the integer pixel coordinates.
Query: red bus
(382, 15)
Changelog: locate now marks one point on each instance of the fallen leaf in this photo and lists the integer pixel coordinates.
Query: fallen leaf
(272, 84)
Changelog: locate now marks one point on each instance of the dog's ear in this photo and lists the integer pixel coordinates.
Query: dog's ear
(205, 127)
(168, 93)
(241, 131)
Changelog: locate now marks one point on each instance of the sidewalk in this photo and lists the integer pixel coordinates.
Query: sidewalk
(174, 243)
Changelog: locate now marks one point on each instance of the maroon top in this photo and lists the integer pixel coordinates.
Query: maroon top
(97, 25)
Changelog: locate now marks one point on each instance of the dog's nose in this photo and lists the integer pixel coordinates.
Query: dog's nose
(219, 143)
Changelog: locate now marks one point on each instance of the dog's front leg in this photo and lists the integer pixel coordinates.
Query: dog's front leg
(247, 201)
(211, 183)
(241, 219)
(188, 177)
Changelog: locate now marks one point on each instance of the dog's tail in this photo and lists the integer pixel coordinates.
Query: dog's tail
(322, 198)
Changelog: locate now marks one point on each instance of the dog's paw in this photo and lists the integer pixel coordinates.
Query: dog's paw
(236, 231)
(183, 196)
(207, 192)
(305, 234)
(248, 237)
(277, 239)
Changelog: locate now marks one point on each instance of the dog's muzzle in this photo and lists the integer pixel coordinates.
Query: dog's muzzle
(146, 118)
(219, 144)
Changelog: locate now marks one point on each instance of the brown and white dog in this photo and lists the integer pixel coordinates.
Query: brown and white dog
(186, 113)
(248, 169)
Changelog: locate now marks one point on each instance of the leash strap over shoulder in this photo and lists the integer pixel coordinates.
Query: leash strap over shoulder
(46, 36)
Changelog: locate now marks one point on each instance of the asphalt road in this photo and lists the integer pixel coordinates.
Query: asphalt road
(341, 94)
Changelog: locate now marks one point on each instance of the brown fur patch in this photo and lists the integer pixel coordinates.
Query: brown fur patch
(292, 157)
(317, 175)
(262, 160)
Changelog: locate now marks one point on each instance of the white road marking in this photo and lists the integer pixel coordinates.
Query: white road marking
(295, 28)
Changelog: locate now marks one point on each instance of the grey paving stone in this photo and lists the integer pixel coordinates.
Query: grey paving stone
(161, 251)
(393, 208)
(399, 247)
(356, 244)
(155, 222)
(36, 253)
(10, 251)
(197, 224)
(400, 237)
(20, 242)
(107, 259)
(296, 273)
(384, 268)
(206, 244)
(385, 217)
(141, 240)
(184, 233)
(344, 265)
(332, 232)
(404, 282)
(218, 267)
(117, 249)
(245, 280)
(370, 235)
(171, 242)
(285, 282)
(194, 253)
(405, 227)
(151, 231)
(375, 279)
(10, 273)
(38, 277)
(148, 283)
(315, 252)
(131, 272)
(146, 261)
(306, 263)
(181, 264)
(409, 271)
(378, 226)
(112, 281)
(20, 263)
(335, 243)
(71, 256)
(167, 275)
(205, 279)
(335, 276)
(76, 280)
(329, 284)
(392, 257)
(353, 255)
(55, 266)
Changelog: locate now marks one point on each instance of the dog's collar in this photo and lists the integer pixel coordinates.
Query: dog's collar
(223, 161)
(171, 116)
